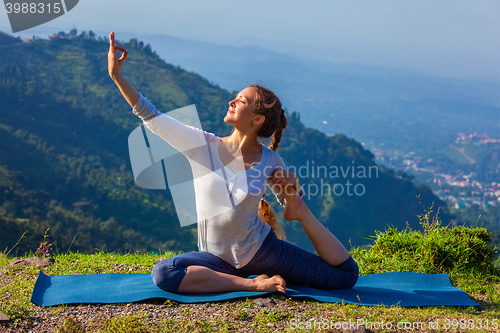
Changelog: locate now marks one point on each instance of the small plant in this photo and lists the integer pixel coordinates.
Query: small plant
(272, 316)
(427, 221)
(16, 311)
(168, 303)
(239, 314)
(127, 324)
(22, 236)
(44, 248)
(71, 325)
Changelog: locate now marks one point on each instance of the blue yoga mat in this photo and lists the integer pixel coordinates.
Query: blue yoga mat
(388, 289)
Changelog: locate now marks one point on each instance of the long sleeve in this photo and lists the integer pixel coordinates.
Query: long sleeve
(144, 109)
(180, 136)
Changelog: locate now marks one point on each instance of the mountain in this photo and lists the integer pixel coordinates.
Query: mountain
(401, 110)
(6, 39)
(64, 161)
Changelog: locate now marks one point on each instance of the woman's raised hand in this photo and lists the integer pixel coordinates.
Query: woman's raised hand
(114, 64)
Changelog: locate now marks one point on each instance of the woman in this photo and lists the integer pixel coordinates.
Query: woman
(237, 243)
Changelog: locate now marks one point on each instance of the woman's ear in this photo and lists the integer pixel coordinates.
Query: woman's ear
(259, 119)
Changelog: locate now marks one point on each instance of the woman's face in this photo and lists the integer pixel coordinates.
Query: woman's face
(241, 110)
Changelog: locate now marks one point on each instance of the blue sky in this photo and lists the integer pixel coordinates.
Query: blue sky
(447, 38)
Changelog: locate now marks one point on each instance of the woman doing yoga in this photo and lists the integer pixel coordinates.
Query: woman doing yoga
(236, 242)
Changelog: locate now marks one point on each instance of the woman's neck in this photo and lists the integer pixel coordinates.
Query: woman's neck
(246, 143)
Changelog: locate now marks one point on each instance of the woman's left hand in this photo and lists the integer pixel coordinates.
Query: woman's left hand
(285, 181)
(115, 64)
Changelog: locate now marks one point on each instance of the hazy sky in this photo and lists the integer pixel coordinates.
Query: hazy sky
(449, 38)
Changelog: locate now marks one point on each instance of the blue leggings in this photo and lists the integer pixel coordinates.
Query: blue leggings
(274, 257)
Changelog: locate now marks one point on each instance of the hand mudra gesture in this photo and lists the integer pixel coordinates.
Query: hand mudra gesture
(114, 64)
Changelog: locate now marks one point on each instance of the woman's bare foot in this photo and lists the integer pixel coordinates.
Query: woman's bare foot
(294, 205)
(266, 283)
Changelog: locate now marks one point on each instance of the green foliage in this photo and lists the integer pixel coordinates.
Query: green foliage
(129, 324)
(476, 216)
(15, 311)
(238, 315)
(438, 249)
(126, 324)
(44, 248)
(459, 249)
(64, 160)
(71, 325)
(6, 39)
(271, 316)
(427, 220)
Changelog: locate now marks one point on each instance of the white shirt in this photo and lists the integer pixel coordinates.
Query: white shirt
(227, 196)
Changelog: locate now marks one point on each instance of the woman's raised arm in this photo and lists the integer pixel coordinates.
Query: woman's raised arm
(114, 65)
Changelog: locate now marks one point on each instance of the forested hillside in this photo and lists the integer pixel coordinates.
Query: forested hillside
(64, 161)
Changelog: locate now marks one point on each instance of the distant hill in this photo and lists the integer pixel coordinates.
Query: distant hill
(64, 161)
(403, 110)
(6, 39)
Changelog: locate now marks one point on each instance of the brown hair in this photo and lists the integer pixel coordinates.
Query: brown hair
(268, 104)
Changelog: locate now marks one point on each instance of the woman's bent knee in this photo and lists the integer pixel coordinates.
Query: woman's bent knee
(351, 281)
(353, 269)
(167, 276)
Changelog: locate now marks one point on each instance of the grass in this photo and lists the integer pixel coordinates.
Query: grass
(460, 252)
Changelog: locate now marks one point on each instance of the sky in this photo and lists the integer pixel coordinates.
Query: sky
(445, 38)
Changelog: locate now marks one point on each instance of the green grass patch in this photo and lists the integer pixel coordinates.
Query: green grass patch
(461, 252)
